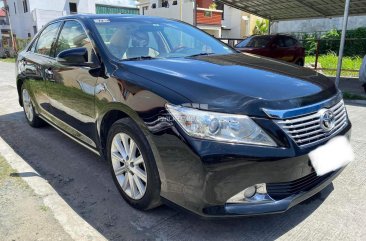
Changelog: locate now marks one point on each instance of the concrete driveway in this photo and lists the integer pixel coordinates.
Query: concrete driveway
(83, 180)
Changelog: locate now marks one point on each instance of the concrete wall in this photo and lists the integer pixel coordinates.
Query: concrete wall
(317, 25)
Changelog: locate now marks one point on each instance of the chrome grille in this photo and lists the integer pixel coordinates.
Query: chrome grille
(306, 130)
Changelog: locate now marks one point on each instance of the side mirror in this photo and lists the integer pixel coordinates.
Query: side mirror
(73, 57)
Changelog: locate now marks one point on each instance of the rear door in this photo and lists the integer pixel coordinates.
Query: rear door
(289, 49)
(72, 91)
(35, 63)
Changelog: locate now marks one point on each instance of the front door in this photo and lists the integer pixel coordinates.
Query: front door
(72, 92)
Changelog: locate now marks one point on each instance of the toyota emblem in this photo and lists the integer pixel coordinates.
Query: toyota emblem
(327, 120)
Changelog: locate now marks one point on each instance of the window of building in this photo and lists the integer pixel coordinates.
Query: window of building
(25, 6)
(73, 8)
(15, 8)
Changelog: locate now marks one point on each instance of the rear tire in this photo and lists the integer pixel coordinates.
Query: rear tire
(300, 62)
(32, 117)
(133, 165)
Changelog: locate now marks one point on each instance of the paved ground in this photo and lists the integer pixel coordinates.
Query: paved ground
(23, 214)
(83, 181)
(352, 86)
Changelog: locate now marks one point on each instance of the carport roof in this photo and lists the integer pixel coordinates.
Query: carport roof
(297, 9)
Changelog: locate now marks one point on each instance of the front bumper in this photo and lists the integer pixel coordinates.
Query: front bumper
(278, 206)
(200, 175)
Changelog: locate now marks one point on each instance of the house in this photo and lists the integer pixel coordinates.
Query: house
(213, 17)
(4, 29)
(29, 16)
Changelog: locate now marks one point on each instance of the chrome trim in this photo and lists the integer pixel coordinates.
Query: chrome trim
(70, 136)
(305, 110)
(306, 130)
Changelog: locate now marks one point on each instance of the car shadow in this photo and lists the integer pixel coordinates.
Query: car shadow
(83, 180)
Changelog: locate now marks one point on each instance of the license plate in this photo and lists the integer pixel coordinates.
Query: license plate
(332, 156)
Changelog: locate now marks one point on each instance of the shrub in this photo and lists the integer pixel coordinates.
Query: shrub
(355, 44)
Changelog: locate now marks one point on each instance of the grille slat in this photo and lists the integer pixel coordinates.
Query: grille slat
(306, 130)
(304, 125)
(283, 190)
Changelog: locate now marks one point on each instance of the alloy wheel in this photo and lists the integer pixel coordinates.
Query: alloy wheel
(128, 166)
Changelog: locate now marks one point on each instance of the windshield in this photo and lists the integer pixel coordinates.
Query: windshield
(143, 38)
(255, 42)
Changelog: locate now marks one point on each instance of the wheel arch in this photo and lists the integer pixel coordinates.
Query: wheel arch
(117, 111)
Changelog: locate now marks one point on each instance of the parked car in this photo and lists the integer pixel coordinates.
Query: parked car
(282, 47)
(181, 117)
(363, 73)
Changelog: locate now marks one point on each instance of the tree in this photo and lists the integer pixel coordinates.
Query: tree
(261, 27)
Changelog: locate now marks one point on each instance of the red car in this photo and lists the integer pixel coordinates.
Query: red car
(282, 47)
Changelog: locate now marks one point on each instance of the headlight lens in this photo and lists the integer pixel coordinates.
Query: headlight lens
(219, 126)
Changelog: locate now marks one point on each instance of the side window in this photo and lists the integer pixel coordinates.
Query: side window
(71, 36)
(46, 39)
(280, 42)
(289, 42)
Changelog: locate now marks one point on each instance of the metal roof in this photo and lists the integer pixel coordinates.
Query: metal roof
(297, 9)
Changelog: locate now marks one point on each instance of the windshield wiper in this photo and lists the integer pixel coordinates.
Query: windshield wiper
(200, 54)
(139, 58)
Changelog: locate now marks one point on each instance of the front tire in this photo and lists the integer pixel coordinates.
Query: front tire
(28, 107)
(133, 165)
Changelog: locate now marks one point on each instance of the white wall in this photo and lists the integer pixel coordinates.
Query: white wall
(233, 21)
(41, 12)
(174, 11)
(316, 25)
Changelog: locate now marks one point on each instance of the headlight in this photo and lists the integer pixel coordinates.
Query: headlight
(219, 126)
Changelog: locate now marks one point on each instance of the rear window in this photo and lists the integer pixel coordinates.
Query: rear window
(255, 42)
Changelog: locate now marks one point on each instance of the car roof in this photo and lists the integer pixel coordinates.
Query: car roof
(109, 16)
(274, 35)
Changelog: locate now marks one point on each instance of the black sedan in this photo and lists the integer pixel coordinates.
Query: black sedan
(181, 117)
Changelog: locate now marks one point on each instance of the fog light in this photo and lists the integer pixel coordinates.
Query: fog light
(253, 194)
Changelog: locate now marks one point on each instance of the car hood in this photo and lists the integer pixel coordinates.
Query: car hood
(241, 83)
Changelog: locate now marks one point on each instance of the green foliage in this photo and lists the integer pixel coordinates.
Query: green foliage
(261, 27)
(330, 61)
(213, 6)
(330, 41)
(310, 44)
(22, 43)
